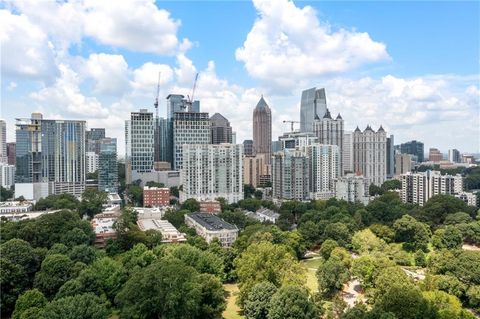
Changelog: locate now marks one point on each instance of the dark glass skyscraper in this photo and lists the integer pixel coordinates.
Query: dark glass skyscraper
(107, 165)
(313, 105)
(414, 148)
(390, 157)
(221, 129)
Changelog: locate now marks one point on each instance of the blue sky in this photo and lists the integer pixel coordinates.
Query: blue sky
(411, 66)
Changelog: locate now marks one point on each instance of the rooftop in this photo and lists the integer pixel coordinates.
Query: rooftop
(268, 212)
(211, 222)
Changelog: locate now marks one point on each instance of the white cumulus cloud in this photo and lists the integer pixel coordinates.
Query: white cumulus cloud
(287, 45)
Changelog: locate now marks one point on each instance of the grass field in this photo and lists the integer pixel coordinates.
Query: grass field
(232, 311)
(312, 265)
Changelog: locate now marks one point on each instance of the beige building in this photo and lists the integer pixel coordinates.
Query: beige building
(262, 130)
(403, 164)
(370, 154)
(210, 226)
(434, 155)
(255, 170)
(169, 233)
(351, 188)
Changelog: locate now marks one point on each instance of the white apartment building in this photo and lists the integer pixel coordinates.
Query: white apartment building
(418, 188)
(324, 168)
(290, 175)
(92, 162)
(330, 132)
(351, 188)
(189, 128)
(139, 144)
(7, 175)
(370, 154)
(210, 226)
(469, 198)
(211, 171)
(347, 154)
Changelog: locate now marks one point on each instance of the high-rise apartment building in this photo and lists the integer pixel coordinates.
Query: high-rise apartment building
(351, 188)
(418, 188)
(92, 137)
(210, 171)
(3, 142)
(255, 171)
(221, 129)
(92, 162)
(11, 153)
(189, 128)
(313, 104)
(369, 154)
(324, 169)
(107, 166)
(434, 155)
(347, 154)
(390, 157)
(164, 141)
(262, 130)
(414, 148)
(139, 144)
(297, 140)
(7, 175)
(50, 157)
(330, 132)
(403, 164)
(290, 175)
(248, 147)
(454, 156)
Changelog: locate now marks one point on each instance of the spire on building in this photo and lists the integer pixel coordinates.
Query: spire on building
(357, 129)
(327, 114)
(368, 128)
(339, 117)
(380, 129)
(261, 103)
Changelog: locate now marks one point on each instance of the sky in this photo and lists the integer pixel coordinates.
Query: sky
(412, 67)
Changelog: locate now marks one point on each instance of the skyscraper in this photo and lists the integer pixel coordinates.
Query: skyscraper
(330, 132)
(210, 171)
(414, 148)
(139, 144)
(221, 129)
(390, 157)
(369, 154)
(164, 140)
(92, 137)
(347, 153)
(248, 147)
(11, 153)
(3, 142)
(50, 157)
(178, 103)
(454, 156)
(313, 104)
(324, 169)
(189, 128)
(262, 130)
(403, 164)
(434, 155)
(107, 166)
(290, 175)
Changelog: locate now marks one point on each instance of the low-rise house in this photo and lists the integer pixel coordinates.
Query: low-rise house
(211, 207)
(169, 233)
(267, 215)
(210, 226)
(102, 225)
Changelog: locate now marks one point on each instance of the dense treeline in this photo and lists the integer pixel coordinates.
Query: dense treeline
(407, 259)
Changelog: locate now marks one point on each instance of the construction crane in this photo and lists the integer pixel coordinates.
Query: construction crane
(190, 100)
(291, 123)
(155, 104)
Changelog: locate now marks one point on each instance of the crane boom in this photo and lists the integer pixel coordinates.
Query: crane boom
(158, 93)
(291, 123)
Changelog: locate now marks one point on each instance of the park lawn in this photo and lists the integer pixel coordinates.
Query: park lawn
(311, 266)
(232, 311)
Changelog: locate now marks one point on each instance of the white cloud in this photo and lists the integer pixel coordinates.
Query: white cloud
(136, 25)
(287, 45)
(25, 50)
(145, 78)
(110, 73)
(65, 97)
(11, 86)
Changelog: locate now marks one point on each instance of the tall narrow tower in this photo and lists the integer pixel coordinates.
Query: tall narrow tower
(262, 130)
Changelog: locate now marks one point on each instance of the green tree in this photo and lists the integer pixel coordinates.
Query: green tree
(363, 268)
(176, 217)
(60, 201)
(414, 234)
(420, 258)
(449, 237)
(473, 295)
(265, 261)
(331, 276)
(168, 289)
(389, 277)
(365, 241)
(448, 306)
(257, 302)
(83, 253)
(54, 272)
(212, 297)
(92, 202)
(457, 218)
(85, 306)
(191, 205)
(5, 194)
(327, 247)
(437, 208)
(135, 195)
(338, 232)
(29, 299)
(292, 302)
(383, 232)
(374, 190)
(174, 191)
(391, 184)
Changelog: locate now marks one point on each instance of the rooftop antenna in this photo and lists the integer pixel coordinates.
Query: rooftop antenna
(158, 92)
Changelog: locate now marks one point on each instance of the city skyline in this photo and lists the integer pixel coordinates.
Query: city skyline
(376, 82)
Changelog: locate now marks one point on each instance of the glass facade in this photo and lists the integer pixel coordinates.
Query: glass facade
(107, 166)
(313, 104)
